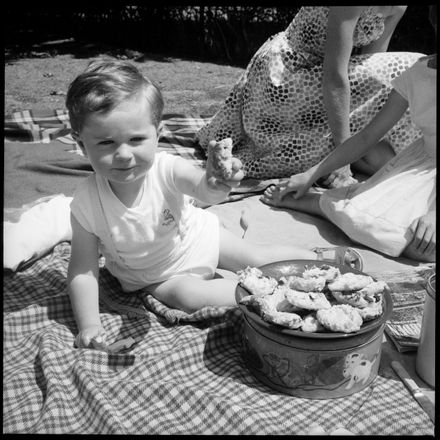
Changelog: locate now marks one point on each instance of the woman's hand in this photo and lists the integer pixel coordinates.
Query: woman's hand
(424, 235)
(298, 183)
(91, 337)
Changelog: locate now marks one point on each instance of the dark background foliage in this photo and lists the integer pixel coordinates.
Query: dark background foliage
(227, 33)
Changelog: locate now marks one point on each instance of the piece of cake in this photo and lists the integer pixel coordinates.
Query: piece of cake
(219, 162)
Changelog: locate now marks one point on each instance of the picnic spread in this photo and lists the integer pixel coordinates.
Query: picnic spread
(179, 373)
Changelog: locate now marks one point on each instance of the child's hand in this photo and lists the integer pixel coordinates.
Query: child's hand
(91, 337)
(225, 184)
(223, 171)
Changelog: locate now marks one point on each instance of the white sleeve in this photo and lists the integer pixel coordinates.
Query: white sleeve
(165, 171)
(82, 207)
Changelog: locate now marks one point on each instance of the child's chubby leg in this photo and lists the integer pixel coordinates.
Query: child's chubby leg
(190, 293)
(309, 203)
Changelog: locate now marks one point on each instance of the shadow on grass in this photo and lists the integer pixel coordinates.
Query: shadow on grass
(84, 50)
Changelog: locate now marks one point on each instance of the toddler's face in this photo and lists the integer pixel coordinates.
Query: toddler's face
(122, 143)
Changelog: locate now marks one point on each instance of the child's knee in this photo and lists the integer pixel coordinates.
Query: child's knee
(174, 293)
(187, 293)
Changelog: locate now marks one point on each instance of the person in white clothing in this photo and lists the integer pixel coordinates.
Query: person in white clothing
(393, 211)
(137, 208)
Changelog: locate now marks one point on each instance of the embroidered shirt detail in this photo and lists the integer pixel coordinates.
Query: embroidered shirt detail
(168, 218)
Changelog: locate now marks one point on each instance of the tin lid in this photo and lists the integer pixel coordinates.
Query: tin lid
(430, 286)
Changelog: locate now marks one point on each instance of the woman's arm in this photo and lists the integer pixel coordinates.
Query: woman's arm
(342, 21)
(382, 43)
(352, 149)
(356, 147)
(82, 281)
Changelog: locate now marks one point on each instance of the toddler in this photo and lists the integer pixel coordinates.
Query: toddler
(136, 209)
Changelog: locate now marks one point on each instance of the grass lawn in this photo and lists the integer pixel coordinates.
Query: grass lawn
(39, 79)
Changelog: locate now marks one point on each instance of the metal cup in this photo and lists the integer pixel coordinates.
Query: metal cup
(425, 360)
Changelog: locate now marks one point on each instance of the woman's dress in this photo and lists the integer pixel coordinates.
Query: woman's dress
(275, 113)
(379, 211)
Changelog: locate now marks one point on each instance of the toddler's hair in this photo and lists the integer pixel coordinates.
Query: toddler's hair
(104, 84)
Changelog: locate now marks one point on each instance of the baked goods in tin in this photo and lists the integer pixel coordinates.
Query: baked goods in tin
(340, 318)
(307, 300)
(324, 270)
(372, 311)
(253, 280)
(324, 300)
(311, 324)
(274, 308)
(366, 297)
(349, 281)
(313, 284)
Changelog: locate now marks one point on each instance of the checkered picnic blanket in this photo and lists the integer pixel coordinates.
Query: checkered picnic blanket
(185, 375)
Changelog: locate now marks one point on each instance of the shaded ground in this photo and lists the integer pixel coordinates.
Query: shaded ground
(38, 78)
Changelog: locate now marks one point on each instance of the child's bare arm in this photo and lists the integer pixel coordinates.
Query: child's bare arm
(82, 281)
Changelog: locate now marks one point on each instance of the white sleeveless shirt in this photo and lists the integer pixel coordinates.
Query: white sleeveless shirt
(164, 236)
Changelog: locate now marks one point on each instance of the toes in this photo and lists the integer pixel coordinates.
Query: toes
(268, 200)
(272, 195)
(270, 189)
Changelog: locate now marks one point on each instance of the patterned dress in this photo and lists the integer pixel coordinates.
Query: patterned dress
(275, 113)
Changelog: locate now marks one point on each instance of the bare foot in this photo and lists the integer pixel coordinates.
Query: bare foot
(272, 196)
(309, 203)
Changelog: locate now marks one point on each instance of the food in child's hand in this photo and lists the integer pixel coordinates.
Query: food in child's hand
(289, 301)
(219, 162)
(340, 318)
(255, 282)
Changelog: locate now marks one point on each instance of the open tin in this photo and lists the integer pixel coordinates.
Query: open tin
(320, 365)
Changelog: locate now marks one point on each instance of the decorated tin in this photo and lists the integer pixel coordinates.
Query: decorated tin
(311, 365)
